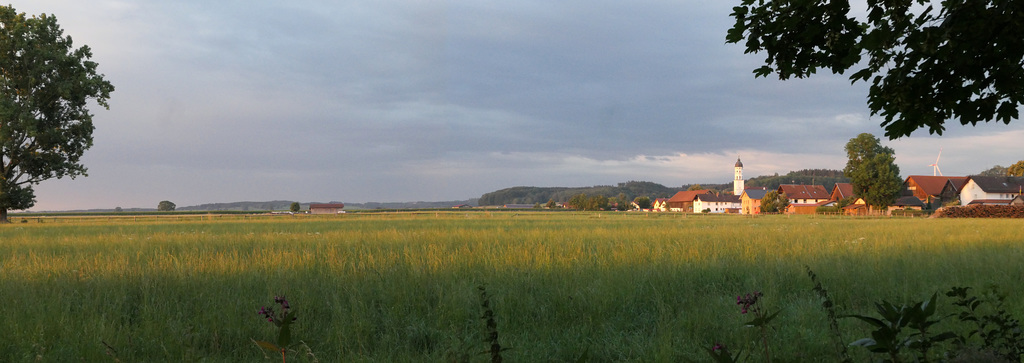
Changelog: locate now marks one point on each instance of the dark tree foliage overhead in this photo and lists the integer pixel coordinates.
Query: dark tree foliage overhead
(45, 86)
(963, 61)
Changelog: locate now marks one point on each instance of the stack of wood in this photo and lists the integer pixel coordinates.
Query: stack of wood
(982, 211)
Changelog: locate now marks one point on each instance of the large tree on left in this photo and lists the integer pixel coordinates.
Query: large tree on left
(45, 87)
(872, 170)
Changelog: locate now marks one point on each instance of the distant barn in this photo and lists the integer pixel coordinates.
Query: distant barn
(326, 208)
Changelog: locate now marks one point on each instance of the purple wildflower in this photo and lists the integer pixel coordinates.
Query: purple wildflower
(748, 301)
(269, 313)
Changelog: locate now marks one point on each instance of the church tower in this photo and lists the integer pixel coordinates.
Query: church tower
(737, 181)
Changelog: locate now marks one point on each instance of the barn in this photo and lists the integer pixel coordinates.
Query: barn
(326, 208)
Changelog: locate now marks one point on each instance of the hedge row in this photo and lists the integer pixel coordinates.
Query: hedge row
(982, 211)
(909, 213)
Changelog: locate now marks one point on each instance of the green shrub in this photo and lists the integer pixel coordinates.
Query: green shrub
(909, 213)
(826, 210)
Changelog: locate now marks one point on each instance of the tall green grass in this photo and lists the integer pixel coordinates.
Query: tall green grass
(403, 287)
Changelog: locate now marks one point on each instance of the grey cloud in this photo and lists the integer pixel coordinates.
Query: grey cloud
(398, 100)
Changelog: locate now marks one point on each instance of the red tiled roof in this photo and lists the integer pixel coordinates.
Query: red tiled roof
(932, 185)
(688, 195)
(794, 191)
(959, 182)
(844, 190)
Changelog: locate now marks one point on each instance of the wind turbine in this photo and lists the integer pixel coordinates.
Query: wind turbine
(935, 167)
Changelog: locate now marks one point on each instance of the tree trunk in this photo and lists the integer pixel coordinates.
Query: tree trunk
(3, 216)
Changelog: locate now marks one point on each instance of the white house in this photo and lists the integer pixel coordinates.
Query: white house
(716, 203)
(804, 194)
(660, 205)
(991, 189)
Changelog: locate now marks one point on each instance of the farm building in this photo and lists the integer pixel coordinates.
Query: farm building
(950, 192)
(908, 202)
(683, 201)
(858, 208)
(842, 191)
(326, 208)
(929, 189)
(808, 208)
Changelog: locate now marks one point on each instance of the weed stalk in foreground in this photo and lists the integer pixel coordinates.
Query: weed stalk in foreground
(283, 320)
(492, 326)
(830, 310)
(761, 318)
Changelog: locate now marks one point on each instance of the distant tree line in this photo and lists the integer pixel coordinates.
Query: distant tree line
(241, 206)
(532, 195)
(717, 188)
(629, 191)
(1017, 169)
(583, 202)
(824, 177)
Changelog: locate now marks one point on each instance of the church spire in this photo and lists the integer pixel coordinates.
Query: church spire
(737, 181)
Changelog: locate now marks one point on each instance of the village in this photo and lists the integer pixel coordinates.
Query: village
(920, 192)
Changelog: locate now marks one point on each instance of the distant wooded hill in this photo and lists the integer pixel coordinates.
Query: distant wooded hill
(825, 177)
(285, 204)
(411, 205)
(241, 206)
(533, 195)
(633, 189)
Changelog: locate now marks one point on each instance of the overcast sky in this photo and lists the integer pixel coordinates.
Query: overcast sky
(360, 101)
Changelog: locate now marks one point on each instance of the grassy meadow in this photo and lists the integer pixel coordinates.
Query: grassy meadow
(402, 287)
